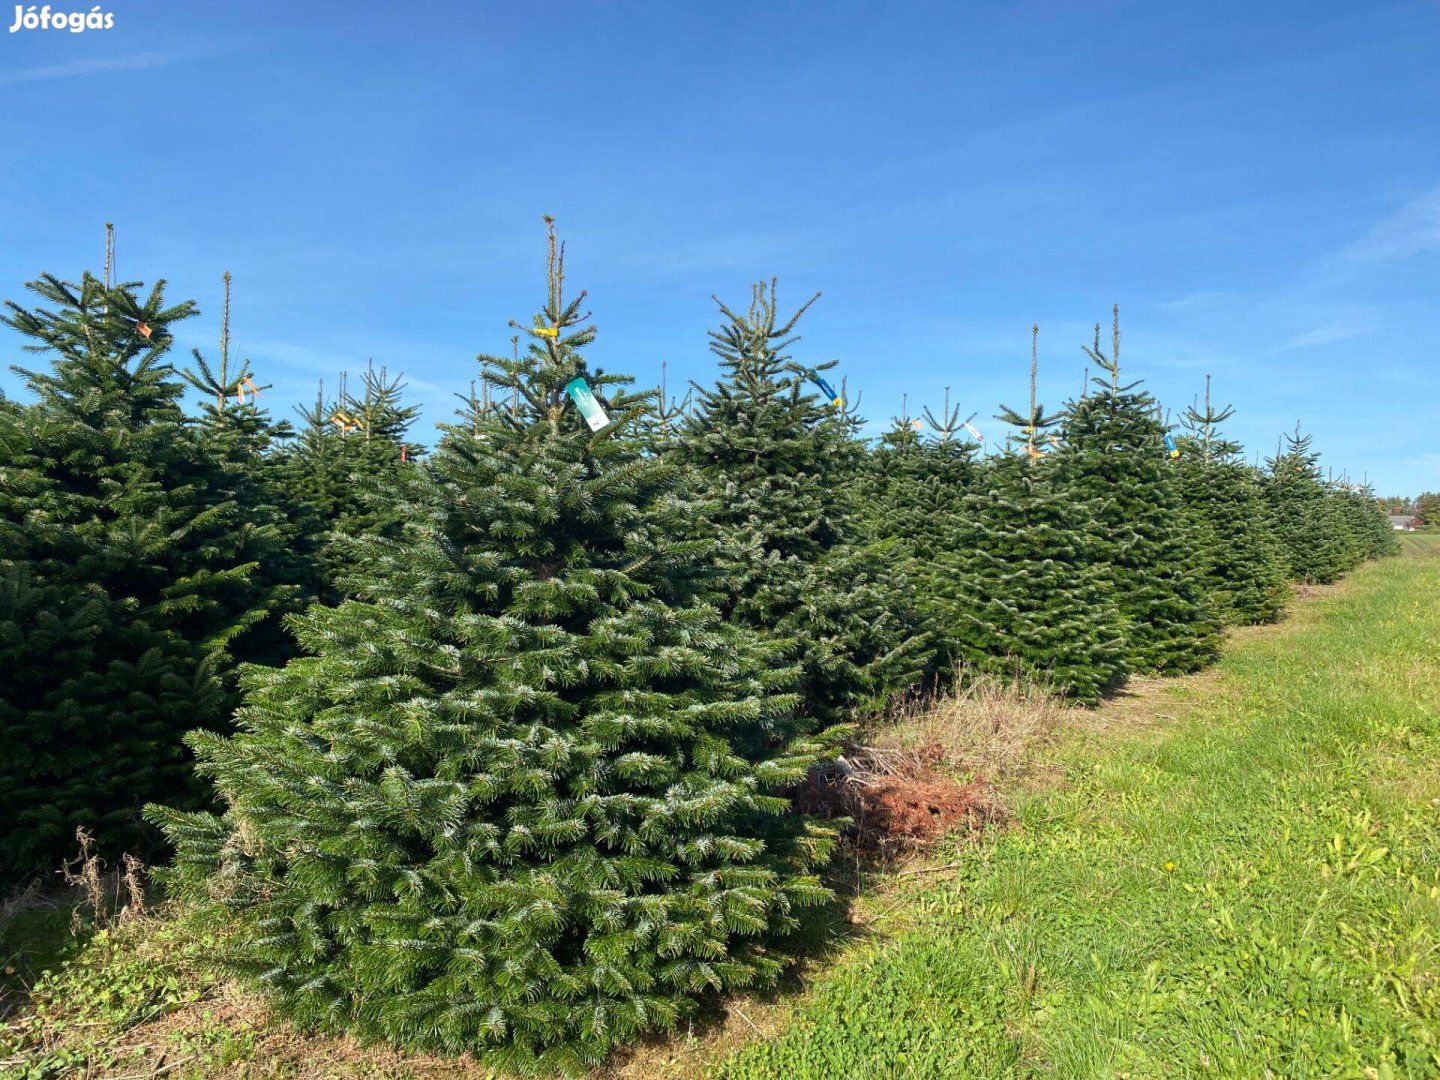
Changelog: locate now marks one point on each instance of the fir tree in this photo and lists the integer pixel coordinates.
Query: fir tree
(1113, 457)
(230, 407)
(337, 469)
(779, 468)
(239, 437)
(918, 476)
(1313, 533)
(1373, 536)
(914, 496)
(1031, 599)
(660, 427)
(1240, 557)
(522, 796)
(129, 574)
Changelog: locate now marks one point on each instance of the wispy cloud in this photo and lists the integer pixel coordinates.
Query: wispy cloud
(284, 361)
(1329, 333)
(303, 357)
(78, 68)
(1414, 228)
(1207, 297)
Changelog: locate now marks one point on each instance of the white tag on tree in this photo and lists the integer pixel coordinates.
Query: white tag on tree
(585, 401)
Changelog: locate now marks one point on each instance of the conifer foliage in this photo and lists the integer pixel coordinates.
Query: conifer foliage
(1114, 459)
(914, 494)
(1240, 558)
(1031, 599)
(129, 573)
(1324, 528)
(521, 796)
(1373, 535)
(336, 472)
(235, 433)
(777, 468)
(518, 783)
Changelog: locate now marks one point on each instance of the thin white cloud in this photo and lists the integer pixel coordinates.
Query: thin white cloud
(303, 357)
(79, 68)
(1195, 299)
(286, 363)
(1414, 228)
(1329, 333)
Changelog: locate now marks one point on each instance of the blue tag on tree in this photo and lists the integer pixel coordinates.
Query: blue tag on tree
(826, 389)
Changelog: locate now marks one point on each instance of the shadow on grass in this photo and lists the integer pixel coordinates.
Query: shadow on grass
(36, 936)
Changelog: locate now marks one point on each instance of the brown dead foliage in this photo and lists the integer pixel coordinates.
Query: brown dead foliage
(931, 766)
(897, 800)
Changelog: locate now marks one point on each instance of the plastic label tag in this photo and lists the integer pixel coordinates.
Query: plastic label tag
(590, 409)
(827, 389)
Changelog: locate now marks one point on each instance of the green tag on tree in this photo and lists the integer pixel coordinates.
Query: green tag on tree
(585, 401)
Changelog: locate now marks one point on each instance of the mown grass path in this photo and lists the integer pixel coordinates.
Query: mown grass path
(1249, 889)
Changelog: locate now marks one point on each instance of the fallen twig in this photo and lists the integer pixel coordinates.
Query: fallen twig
(741, 1013)
(930, 870)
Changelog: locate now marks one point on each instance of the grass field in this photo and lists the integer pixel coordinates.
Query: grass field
(1235, 874)
(1249, 889)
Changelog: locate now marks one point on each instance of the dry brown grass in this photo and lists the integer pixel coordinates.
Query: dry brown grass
(990, 729)
(106, 897)
(930, 768)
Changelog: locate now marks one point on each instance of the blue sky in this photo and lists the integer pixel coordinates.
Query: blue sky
(1257, 185)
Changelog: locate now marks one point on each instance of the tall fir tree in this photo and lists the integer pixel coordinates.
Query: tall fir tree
(1240, 556)
(523, 796)
(130, 570)
(779, 468)
(1113, 456)
(1033, 603)
(238, 435)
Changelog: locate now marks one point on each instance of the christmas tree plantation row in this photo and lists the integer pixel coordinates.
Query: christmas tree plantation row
(494, 744)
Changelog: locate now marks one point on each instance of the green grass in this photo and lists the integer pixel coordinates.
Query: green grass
(1250, 890)
(31, 943)
(117, 978)
(1425, 543)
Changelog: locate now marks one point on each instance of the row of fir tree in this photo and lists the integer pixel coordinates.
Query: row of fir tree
(487, 748)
